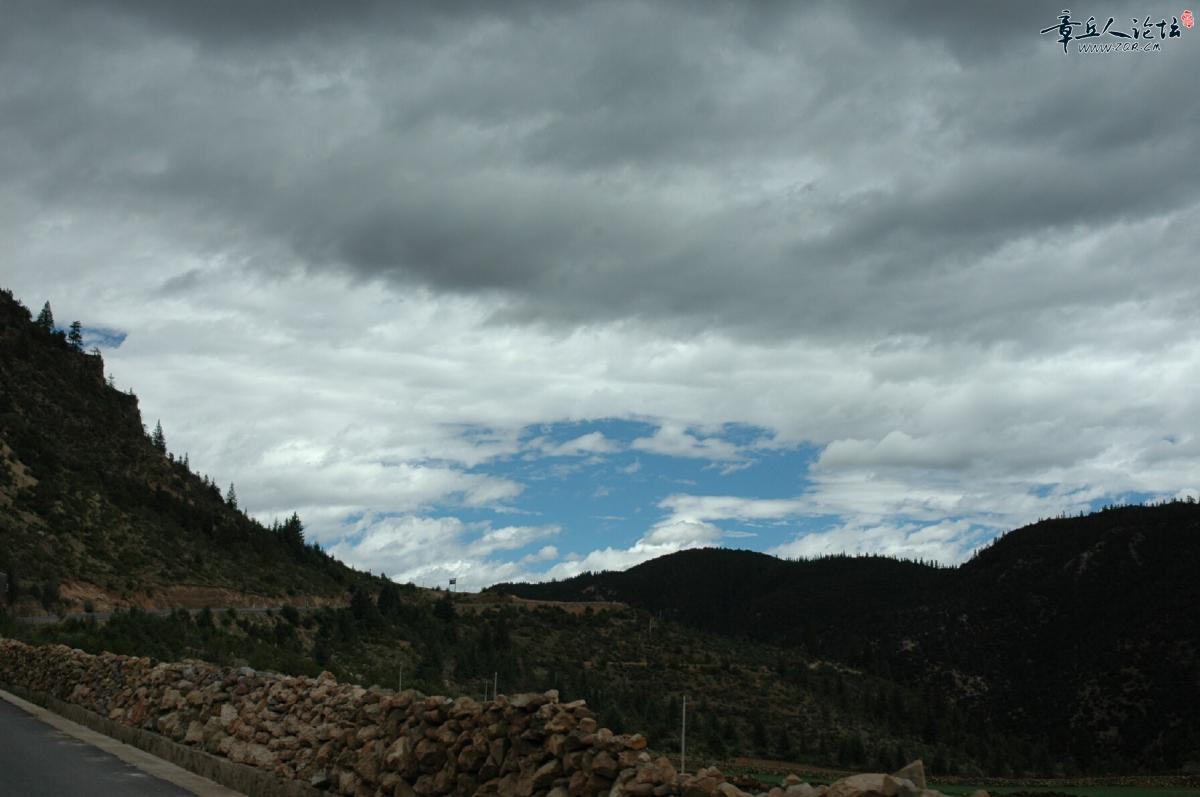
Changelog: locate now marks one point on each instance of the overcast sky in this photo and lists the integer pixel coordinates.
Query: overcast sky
(515, 290)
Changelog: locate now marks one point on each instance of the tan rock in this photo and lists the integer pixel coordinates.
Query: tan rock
(563, 722)
(507, 785)
(557, 745)
(605, 765)
(915, 771)
(729, 790)
(396, 755)
(627, 759)
(347, 782)
(195, 733)
(367, 766)
(430, 754)
(870, 785)
(546, 774)
(445, 780)
(472, 758)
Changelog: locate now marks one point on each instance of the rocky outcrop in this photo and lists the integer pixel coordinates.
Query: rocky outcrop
(368, 743)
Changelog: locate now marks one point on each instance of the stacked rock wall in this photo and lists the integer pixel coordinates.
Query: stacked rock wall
(348, 739)
(364, 743)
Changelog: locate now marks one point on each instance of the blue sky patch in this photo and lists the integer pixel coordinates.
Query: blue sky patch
(603, 482)
(102, 338)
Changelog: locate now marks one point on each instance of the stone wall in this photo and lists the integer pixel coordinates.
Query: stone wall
(367, 743)
(348, 739)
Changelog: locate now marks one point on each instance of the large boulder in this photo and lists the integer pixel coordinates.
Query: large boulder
(914, 772)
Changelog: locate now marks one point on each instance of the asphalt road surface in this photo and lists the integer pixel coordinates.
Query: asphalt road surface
(38, 759)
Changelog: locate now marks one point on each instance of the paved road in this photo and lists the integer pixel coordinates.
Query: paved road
(38, 759)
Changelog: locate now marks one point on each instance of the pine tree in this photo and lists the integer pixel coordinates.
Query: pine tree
(231, 496)
(75, 336)
(158, 439)
(292, 532)
(45, 319)
(390, 600)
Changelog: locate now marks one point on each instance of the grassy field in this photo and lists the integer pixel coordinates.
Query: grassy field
(1079, 791)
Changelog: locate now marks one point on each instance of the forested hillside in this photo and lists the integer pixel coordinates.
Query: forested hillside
(1082, 629)
(93, 503)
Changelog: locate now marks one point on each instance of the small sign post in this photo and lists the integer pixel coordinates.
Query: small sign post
(683, 740)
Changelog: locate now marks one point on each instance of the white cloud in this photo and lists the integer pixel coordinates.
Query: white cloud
(949, 542)
(591, 443)
(673, 440)
(391, 405)
(664, 538)
(430, 551)
(547, 554)
(729, 507)
(353, 278)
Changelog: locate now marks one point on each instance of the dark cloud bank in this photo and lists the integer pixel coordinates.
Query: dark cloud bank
(861, 170)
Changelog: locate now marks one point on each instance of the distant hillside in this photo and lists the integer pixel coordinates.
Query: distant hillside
(1082, 628)
(94, 507)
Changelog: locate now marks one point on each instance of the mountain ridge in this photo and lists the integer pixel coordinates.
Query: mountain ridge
(1084, 625)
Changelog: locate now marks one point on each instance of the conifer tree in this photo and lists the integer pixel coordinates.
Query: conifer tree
(45, 319)
(231, 496)
(158, 439)
(292, 532)
(75, 336)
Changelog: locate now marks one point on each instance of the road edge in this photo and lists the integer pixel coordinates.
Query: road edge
(235, 779)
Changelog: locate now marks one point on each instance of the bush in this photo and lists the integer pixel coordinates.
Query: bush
(50, 595)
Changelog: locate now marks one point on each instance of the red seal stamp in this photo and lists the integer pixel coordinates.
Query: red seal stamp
(1187, 19)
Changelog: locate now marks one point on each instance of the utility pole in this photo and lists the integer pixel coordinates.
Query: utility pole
(683, 740)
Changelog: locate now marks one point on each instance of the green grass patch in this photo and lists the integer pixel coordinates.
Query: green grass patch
(1079, 791)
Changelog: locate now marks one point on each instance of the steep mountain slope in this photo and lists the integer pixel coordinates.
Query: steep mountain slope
(92, 505)
(1085, 628)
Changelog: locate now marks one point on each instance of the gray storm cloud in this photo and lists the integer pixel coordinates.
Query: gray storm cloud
(770, 169)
